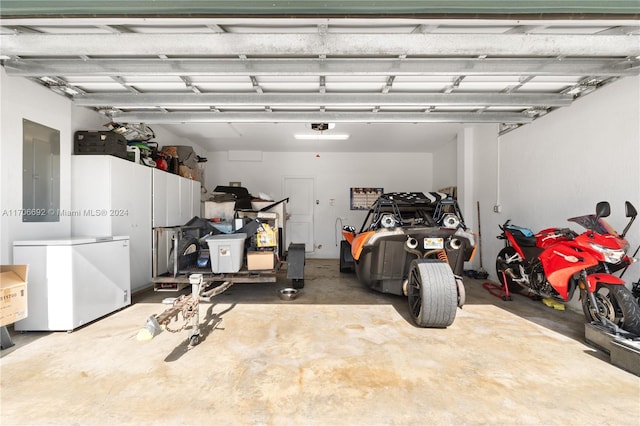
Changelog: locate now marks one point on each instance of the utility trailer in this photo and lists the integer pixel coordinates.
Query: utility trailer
(205, 284)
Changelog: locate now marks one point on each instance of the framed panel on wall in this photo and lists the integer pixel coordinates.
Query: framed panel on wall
(41, 173)
(363, 198)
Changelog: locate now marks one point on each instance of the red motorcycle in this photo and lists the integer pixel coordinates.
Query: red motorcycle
(556, 261)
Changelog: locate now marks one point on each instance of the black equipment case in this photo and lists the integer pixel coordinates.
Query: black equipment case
(99, 142)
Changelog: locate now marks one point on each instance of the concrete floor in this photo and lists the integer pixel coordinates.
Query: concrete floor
(339, 354)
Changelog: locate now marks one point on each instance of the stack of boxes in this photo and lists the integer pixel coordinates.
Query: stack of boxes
(261, 257)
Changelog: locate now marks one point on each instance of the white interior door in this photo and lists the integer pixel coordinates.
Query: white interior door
(299, 226)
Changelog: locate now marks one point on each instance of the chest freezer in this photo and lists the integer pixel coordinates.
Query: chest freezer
(73, 281)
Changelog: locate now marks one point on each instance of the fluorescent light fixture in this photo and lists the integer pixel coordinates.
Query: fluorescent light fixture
(322, 136)
(70, 90)
(48, 80)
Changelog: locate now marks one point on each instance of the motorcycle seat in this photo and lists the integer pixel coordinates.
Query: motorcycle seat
(525, 241)
(523, 236)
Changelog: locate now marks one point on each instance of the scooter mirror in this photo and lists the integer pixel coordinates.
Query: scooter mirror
(630, 211)
(603, 209)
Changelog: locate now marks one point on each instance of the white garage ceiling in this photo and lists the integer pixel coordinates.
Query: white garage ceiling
(394, 83)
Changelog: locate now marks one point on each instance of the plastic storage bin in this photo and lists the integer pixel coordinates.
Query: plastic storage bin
(226, 252)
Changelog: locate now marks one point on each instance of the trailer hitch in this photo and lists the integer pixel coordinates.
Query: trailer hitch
(187, 306)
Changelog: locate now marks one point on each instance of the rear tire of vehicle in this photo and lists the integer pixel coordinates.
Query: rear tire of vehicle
(617, 304)
(346, 259)
(432, 293)
(188, 251)
(462, 294)
(505, 253)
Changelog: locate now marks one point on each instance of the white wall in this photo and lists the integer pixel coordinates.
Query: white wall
(85, 119)
(334, 174)
(562, 164)
(445, 171)
(477, 191)
(21, 99)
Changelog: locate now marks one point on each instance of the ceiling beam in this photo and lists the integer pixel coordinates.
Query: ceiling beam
(310, 117)
(124, 84)
(326, 8)
(254, 44)
(68, 67)
(366, 22)
(221, 100)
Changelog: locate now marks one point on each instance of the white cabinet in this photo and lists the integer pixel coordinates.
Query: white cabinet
(195, 191)
(159, 198)
(186, 197)
(112, 196)
(73, 281)
(176, 200)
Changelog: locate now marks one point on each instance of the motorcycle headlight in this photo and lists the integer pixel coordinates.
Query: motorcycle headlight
(610, 256)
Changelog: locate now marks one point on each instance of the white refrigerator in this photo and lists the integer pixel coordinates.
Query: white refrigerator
(73, 281)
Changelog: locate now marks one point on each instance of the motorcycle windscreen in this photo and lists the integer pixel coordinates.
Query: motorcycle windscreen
(589, 222)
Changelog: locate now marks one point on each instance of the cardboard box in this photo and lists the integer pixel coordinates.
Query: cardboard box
(13, 291)
(259, 260)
